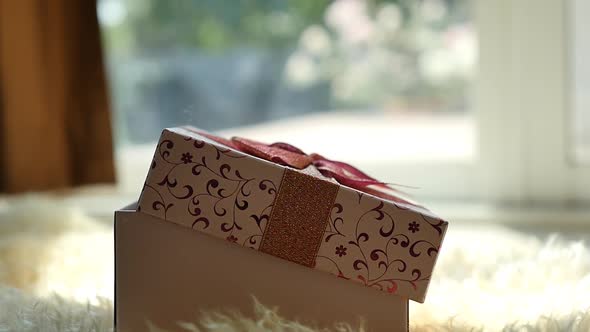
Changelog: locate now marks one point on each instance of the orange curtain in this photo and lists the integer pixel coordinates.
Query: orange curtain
(54, 115)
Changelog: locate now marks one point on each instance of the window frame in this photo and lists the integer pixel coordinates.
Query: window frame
(542, 67)
(524, 70)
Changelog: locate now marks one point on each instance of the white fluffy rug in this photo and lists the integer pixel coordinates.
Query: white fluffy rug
(56, 268)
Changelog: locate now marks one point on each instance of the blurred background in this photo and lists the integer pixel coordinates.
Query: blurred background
(223, 65)
(370, 82)
(482, 106)
(470, 102)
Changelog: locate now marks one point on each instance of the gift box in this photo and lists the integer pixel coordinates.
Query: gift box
(220, 222)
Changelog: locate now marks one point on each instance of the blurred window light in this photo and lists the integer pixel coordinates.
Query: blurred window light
(384, 84)
(111, 12)
(221, 65)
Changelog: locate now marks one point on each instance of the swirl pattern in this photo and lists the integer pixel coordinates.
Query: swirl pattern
(200, 185)
(388, 247)
(204, 186)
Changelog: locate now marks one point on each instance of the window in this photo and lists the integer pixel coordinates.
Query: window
(463, 99)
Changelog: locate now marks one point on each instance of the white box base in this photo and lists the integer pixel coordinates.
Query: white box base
(166, 273)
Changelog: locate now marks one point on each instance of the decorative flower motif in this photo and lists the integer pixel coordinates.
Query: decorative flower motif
(341, 251)
(187, 158)
(413, 227)
(232, 238)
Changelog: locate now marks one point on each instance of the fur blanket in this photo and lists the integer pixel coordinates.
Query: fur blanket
(57, 274)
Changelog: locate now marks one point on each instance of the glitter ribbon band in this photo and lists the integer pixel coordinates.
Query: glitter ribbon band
(299, 218)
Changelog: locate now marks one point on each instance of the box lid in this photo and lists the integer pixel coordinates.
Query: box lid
(297, 215)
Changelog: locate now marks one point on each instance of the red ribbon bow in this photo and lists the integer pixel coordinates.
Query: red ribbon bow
(289, 155)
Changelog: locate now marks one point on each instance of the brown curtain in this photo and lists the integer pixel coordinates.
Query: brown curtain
(54, 114)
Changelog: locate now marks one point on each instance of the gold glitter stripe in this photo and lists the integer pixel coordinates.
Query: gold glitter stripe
(299, 217)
